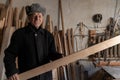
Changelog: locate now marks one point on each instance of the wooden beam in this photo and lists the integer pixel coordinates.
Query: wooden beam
(70, 58)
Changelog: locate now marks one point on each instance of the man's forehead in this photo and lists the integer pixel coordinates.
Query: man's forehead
(36, 13)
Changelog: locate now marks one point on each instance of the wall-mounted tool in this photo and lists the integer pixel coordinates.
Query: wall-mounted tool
(97, 18)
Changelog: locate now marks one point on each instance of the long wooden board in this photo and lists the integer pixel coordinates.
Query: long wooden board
(71, 58)
(6, 38)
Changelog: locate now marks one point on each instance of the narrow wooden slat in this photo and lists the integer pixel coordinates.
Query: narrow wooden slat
(61, 70)
(2, 23)
(61, 14)
(10, 17)
(72, 38)
(10, 2)
(7, 34)
(48, 25)
(111, 52)
(23, 17)
(6, 16)
(71, 58)
(69, 41)
(115, 51)
(2, 5)
(59, 43)
(99, 53)
(118, 48)
(107, 50)
(3, 13)
(16, 17)
(70, 67)
(55, 75)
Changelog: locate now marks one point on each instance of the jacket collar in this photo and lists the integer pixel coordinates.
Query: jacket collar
(35, 30)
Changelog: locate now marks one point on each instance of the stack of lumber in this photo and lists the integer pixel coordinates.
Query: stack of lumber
(11, 17)
(8, 24)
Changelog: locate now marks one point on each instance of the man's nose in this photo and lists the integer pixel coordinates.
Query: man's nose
(36, 17)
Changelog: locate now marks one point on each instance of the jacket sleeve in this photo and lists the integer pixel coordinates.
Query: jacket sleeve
(10, 55)
(52, 50)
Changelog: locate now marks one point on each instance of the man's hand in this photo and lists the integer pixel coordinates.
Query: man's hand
(14, 77)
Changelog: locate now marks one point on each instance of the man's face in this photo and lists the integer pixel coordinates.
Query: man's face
(36, 19)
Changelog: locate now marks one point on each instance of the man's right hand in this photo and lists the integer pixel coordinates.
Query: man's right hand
(14, 77)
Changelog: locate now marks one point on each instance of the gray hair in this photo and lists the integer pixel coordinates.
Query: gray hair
(35, 7)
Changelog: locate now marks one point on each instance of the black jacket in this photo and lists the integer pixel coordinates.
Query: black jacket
(33, 47)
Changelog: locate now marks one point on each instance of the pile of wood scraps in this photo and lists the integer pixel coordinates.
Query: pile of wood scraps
(6, 30)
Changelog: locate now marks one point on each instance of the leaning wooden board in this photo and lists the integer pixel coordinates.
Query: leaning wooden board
(70, 58)
(6, 37)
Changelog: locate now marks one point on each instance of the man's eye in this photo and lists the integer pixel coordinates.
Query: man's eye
(39, 16)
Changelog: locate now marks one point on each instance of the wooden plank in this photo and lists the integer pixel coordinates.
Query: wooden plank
(70, 58)
(115, 51)
(48, 25)
(69, 41)
(99, 53)
(72, 38)
(2, 23)
(61, 70)
(71, 66)
(118, 48)
(2, 5)
(10, 13)
(3, 12)
(16, 17)
(55, 74)
(8, 32)
(10, 17)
